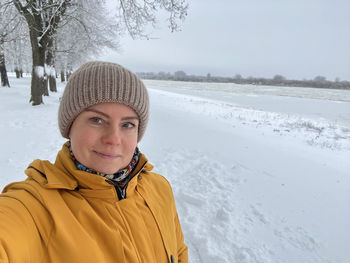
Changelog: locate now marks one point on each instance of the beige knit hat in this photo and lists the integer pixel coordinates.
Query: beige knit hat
(96, 82)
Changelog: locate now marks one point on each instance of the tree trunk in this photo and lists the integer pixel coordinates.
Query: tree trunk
(18, 73)
(67, 75)
(4, 78)
(38, 81)
(36, 88)
(46, 86)
(51, 74)
(3, 71)
(40, 28)
(18, 58)
(63, 79)
(52, 82)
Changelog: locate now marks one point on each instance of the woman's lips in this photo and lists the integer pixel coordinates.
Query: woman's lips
(107, 155)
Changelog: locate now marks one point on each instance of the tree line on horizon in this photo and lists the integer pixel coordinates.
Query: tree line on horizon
(277, 80)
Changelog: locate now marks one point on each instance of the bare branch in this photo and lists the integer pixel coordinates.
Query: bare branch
(137, 15)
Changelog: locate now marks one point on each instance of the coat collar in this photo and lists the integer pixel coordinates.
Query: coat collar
(63, 174)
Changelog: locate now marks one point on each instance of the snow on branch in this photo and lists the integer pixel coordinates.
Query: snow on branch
(58, 10)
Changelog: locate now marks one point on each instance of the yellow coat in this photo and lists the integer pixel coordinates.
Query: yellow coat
(62, 214)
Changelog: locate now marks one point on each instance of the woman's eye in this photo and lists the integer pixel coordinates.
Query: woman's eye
(96, 120)
(128, 125)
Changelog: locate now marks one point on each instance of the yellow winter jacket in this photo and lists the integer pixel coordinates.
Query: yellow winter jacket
(62, 214)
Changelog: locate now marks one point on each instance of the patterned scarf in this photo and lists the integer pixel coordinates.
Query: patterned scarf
(119, 179)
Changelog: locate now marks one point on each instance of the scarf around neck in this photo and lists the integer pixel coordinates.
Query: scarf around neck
(120, 179)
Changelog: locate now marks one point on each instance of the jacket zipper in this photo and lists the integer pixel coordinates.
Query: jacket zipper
(121, 195)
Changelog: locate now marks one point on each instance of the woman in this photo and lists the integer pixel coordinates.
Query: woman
(99, 201)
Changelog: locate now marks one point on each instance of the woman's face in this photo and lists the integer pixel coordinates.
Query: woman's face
(104, 136)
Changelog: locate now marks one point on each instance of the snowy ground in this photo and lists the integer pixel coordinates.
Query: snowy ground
(260, 174)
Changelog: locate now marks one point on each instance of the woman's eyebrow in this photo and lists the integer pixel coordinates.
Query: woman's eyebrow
(99, 112)
(130, 118)
(107, 116)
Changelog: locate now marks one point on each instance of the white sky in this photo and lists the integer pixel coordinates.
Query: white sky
(295, 38)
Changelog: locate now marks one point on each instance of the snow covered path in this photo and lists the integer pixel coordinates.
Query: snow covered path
(250, 185)
(246, 193)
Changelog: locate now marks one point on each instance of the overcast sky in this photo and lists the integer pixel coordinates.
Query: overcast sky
(295, 38)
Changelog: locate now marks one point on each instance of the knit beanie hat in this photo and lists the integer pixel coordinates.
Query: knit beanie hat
(97, 82)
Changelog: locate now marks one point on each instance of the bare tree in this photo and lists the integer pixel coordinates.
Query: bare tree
(88, 29)
(320, 79)
(43, 18)
(180, 75)
(278, 79)
(9, 22)
(3, 71)
(16, 45)
(136, 15)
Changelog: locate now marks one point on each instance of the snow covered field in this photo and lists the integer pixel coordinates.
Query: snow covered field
(260, 174)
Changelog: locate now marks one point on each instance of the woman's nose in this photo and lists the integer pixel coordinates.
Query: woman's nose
(112, 136)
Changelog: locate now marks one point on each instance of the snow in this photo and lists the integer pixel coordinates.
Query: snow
(260, 174)
(39, 71)
(50, 71)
